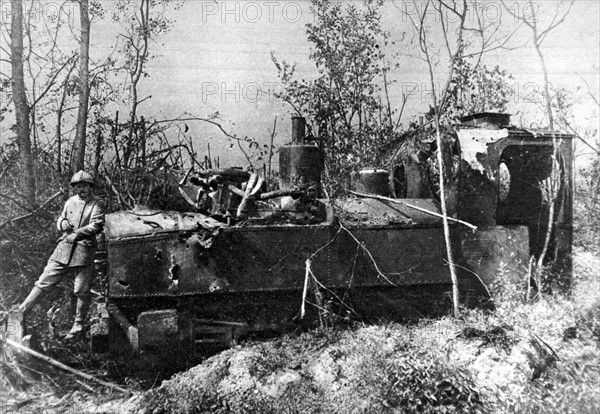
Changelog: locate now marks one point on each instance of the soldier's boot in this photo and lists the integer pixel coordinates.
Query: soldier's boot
(31, 300)
(76, 332)
(15, 327)
(15, 324)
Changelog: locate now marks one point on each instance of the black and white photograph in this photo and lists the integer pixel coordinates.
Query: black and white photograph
(299, 206)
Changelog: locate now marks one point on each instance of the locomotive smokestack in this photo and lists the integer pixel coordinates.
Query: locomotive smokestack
(300, 163)
(298, 129)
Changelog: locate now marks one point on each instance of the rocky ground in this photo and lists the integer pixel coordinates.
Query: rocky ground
(525, 357)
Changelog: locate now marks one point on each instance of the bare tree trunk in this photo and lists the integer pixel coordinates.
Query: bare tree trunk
(555, 170)
(140, 56)
(59, 116)
(22, 109)
(98, 154)
(32, 123)
(438, 106)
(143, 140)
(273, 133)
(115, 131)
(59, 141)
(440, 160)
(129, 146)
(77, 163)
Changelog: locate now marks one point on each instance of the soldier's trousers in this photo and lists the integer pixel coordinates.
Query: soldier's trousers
(54, 272)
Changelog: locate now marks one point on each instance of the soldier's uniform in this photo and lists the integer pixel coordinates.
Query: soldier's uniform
(87, 218)
(73, 255)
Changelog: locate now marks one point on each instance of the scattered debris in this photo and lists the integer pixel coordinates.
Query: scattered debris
(63, 366)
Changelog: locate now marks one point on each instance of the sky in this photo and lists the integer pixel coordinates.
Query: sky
(217, 56)
(218, 53)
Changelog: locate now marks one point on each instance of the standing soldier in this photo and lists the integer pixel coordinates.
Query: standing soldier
(81, 220)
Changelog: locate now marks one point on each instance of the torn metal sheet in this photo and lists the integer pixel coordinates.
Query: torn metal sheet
(474, 146)
(141, 222)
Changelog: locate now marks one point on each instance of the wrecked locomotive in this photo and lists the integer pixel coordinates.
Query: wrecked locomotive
(177, 284)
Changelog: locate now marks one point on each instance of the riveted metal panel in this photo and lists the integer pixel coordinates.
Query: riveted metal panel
(492, 251)
(409, 256)
(239, 259)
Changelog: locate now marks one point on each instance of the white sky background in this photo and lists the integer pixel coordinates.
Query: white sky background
(218, 52)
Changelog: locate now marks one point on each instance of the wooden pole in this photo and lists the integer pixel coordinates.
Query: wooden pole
(63, 366)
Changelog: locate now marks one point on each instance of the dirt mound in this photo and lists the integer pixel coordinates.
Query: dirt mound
(366, 370)
(447, 365)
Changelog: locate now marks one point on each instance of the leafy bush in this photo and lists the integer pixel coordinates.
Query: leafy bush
(590, 319)
(425, 386)
(571, 387)
(508, 289)
(122, 189)
(587, 208)
(347, 106)
(406, 369)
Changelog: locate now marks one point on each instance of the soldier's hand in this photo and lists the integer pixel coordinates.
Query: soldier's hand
(71, 238)
(66, 226)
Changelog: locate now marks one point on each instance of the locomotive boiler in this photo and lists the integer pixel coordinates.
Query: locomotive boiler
(248, 261)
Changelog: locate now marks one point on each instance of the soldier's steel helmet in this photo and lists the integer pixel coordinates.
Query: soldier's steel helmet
(82, 177)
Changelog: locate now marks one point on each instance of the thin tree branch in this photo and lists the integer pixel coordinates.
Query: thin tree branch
(36, 211)
(62, 366)
(51, 82)
(362, 246)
